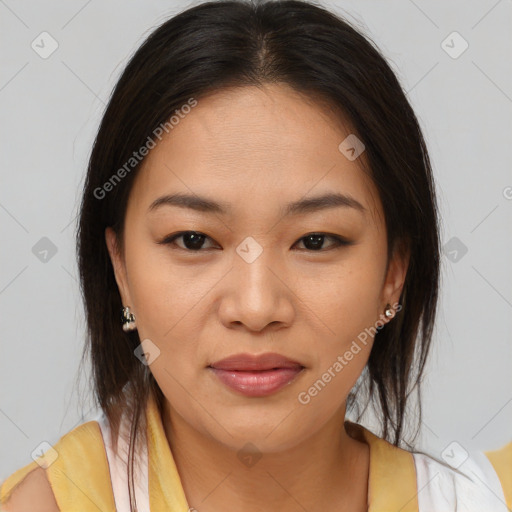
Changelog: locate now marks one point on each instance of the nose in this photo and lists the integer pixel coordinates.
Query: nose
(257, 295)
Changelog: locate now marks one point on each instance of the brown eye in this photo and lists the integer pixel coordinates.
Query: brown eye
(315, 241)
(192, 240)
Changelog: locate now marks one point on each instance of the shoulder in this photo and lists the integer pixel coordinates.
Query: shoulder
(78, 456)
(34, 493)
(462, 479)
(501, 461)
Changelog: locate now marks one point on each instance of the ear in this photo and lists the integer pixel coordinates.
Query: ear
(395, 277)
(118, 264)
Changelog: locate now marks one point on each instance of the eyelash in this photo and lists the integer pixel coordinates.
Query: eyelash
(338, 241)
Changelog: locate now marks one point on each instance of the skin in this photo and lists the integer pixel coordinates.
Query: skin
(33, 493)
(257, 149)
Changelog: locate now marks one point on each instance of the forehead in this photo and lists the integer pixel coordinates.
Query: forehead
(254, 148)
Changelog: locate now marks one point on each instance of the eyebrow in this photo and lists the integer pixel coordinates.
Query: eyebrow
(302, 206)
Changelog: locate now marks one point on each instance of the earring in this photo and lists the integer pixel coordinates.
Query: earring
(128, 320)
(388, 311)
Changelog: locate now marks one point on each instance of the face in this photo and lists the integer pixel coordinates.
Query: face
(253, 275)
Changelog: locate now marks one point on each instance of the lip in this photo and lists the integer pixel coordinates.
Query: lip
(257, 362)
(256, 375)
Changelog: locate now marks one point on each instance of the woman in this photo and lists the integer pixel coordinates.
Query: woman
(260, 206)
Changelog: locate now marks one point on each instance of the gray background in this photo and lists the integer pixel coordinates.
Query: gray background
(51, 109)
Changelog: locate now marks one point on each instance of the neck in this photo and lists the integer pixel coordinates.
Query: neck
(324, 472)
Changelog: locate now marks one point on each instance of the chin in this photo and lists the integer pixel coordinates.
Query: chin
(269, 435)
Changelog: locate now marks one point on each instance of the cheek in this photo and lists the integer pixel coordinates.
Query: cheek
(327, 390)
(347, 302)
(166, 302)
(151, 290)
(347, 297)
(161, 293)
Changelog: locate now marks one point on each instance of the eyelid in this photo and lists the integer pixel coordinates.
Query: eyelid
(339, 241)
(169, 239)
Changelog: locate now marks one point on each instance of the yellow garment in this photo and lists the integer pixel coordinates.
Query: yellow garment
(501, 460)
(80, 476)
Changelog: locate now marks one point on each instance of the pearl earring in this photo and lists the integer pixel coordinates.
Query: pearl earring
(128, 320)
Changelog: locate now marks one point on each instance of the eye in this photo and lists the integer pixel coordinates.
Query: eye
(193, 241)
(314, 241)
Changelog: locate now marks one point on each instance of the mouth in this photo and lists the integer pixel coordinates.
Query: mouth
(256, 375)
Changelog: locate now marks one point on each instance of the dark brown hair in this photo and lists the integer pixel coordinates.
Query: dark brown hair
(215, 45)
